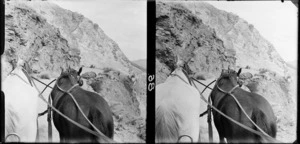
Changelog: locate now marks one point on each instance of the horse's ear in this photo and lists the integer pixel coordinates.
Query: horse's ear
(179, 62)
(223, 71)
(239, 72)
(69, 68)
(79, 71)
(62, 70)
(20, 62)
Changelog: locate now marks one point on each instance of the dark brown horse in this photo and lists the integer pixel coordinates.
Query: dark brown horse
(94, 107)
(256, 107)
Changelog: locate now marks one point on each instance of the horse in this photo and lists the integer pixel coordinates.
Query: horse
(177, 106)
(255, 105)
(94, 107)
(21, 105)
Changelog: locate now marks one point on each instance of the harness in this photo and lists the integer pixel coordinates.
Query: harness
(69, 93)
(230, 93)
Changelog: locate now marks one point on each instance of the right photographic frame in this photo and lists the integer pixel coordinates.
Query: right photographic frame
(226, 71)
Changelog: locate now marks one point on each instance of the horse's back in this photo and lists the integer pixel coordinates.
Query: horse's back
(178, 90)
(101, 110)
(96, 102)
(94, 107)
(182, 96)
(264, 114)
(257, 108)
(262, 103)
(257, 103)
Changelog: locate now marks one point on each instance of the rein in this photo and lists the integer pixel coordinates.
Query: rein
(48, 110)
(47, 85)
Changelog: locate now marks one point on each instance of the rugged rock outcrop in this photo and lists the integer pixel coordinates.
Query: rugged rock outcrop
(30, 37)
(38, 29)
(209, 39)
(88, 75)
(127, 100)
(180, 32)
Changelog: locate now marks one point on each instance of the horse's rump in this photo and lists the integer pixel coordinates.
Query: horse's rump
(167, 124)
(11, 119)
(265, 124)
(104, 125)
(261, 113)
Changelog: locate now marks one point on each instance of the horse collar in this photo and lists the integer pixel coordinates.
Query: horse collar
(229, 92)
(68, 91)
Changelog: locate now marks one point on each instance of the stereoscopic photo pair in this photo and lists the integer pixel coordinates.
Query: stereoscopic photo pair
(137, 71)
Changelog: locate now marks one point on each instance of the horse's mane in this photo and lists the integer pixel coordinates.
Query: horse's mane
(185, 73)
(226, 74)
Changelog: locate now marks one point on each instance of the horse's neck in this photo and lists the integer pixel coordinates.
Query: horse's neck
(179, 73)
(57, 93)
(218, 95)
(19, 72)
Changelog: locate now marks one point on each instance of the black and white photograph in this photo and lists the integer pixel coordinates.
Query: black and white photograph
(75, 71)
(226, 71)
(149, 71)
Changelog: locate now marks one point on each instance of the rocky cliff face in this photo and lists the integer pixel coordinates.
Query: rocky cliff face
(38, 29)
(209, 39)
(30, 37)
(180, 32)
(49, 37)
(251, 48)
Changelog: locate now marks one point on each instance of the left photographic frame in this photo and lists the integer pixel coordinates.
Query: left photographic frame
(75, 71)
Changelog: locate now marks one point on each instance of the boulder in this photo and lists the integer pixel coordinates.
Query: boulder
(246, 75)
(89, 75)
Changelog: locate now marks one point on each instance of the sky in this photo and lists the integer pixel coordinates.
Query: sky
(124, 21)
(276, 22)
